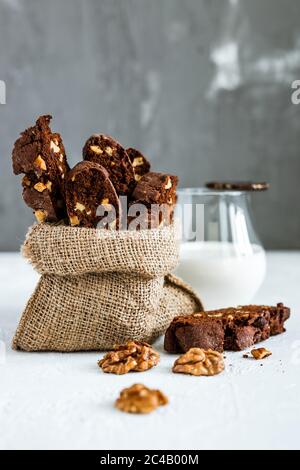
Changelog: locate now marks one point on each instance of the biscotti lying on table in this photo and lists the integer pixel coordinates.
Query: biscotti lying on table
(112, 188)
(232, 329)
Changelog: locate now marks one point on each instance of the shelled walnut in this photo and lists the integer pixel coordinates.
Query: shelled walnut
(198, 361)
(133, 356)
(260, 353)
(140, 399)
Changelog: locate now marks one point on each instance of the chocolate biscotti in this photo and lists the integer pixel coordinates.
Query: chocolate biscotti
(90, 196)
(140, 164)
(232, 329)
(94, 187)
(154, 198)
(44, 198)
(156, 188)
(39, 154)
(107, 152)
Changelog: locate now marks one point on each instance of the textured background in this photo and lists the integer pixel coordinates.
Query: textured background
(203, 87)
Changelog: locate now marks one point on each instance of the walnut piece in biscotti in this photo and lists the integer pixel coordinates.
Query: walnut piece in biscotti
(44, 198)
(197, 361)
(134, 356)
(107, 152)
(140, 399)
(44, 206)
(140, 164)
(40, 155)
(89, 189)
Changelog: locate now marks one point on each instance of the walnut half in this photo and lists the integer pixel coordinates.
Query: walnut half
(132, 356)
(197, 361)
(140, 399)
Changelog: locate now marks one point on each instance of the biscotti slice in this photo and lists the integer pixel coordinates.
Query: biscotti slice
(40, 151)
(47, 205)
(87, 188)
(107, 152)
(40, 155)
(242, 327)
(154, 200)
(156, 188)
(139, 162)
(250, 324)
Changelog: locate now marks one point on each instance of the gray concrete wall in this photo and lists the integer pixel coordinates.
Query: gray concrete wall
(201, 86)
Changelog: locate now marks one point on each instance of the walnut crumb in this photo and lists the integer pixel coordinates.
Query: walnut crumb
(260, 353)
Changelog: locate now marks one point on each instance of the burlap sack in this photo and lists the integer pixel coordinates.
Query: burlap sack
(99, 288)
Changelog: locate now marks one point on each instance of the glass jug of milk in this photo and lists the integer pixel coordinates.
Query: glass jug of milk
(221, 256)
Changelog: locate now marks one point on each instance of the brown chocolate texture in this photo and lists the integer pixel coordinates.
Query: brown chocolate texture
(231, 329)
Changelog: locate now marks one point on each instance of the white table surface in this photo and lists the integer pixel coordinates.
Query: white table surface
(64, 401)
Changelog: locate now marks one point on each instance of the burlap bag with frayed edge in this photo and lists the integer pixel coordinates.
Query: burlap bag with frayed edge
(101, 287)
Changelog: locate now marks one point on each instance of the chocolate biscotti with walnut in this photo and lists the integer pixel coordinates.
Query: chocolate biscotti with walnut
(232, 329)
(107, 152)
(107, 172)
(156, 188)
(43, 198)
(39, 154)
(154, 198)
(90, 196)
